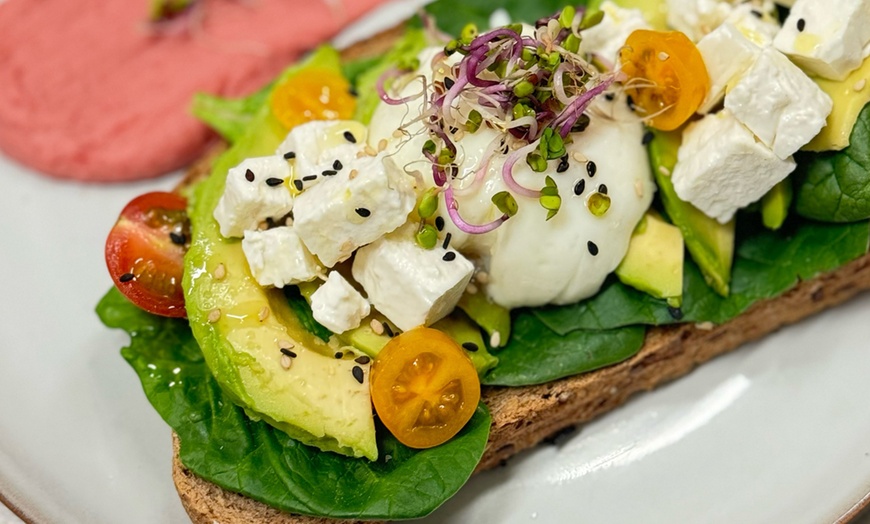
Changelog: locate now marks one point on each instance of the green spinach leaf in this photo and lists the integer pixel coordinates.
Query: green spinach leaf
(452, 15)
(766, 265)
(835, 186)
(220, 443)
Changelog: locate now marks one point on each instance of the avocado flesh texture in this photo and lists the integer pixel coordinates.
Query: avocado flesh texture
(491, 317)
(775, 204)
(710, 243)
(848, 104)
(654, 260)
(317, 400)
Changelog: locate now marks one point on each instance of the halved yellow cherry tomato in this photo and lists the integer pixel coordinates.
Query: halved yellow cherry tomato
(313, 95)
(667, 76)
(424, 387)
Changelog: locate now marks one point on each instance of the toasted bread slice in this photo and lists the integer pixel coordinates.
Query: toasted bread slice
(522, 417)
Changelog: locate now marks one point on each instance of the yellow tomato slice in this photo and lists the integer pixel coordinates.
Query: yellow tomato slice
(424, 387)
(667, 77)
(319, 94)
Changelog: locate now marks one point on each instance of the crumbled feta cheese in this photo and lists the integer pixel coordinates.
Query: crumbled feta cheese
(696, 18)
(828, 38)
(721, 167)
(608, 37)
(727, 53)
(757, 23)
(320, 148)
(255, 190)
(779, 103)
(411, 285)
(337, 305)
(278, 258)
(366, 200)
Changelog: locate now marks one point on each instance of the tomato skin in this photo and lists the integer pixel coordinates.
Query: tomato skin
(144, 261)
(424, 387)
(672, 63)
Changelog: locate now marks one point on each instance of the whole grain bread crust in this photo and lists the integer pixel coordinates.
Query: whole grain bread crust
(522, 417)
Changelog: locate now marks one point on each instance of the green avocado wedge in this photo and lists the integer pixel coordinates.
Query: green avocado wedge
(654, 261)
(317, 399)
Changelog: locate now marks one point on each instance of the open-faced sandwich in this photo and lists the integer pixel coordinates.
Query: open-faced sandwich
(410, 266)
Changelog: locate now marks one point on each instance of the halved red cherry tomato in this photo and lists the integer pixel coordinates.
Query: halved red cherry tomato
(667, 76)
(424, 387)
(145, 251)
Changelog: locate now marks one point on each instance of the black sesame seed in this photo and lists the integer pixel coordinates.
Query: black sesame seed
(630, 102)
(249, 175)
(298, 185)
(357, 374)
(579, 187)
(756, 13)
(289, 155)
(329, 172)
(449, 256)
(274, 182)
(591, 168)
(563, 165)
(349, 137)
(363, 212)
(439, 223)
(447, 238)
(309, 178)
(288, 352)
(126, 277)
(449, 82)
(609, 97)
(362, 360)
(388, 330)
(453, 130)
(469, 346)
(339, 354)
(647, 138)
(337, 165)
(801, 24)
(602, 189)
(176, 238)
(593, 249)
(675, 312)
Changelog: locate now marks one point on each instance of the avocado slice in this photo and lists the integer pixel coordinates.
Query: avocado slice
(849, 96)
(319, 400)
(654, 261)
(466, 333)
(495, 320)
(775, 204)
(710, 243)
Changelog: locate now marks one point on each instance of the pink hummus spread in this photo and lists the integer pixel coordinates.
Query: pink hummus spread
(89, 91)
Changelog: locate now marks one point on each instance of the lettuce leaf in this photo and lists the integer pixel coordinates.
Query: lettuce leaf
(220, 443)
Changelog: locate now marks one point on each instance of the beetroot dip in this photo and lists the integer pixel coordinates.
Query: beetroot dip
(88, 90)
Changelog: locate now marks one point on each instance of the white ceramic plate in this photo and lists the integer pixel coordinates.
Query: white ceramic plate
(778, 431)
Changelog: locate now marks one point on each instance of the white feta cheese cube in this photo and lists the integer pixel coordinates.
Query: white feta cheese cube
(779, 103)
(360, 204)
(255, 190)
(727, 53)
(721, 167)
(608, 37)
(411, 285)
(320, 148)
(277, 257)
(828, 38)
(696, 18)
(337, 305)
(757, 23)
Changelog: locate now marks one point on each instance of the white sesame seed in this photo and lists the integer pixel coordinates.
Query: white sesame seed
(370, 151)
(377, 327)
(288, 221)
(578, 156)
(665, 171)
(482, 277)
(459, 135)
(353, 173)
(614, 390)
(663, 56)
(362, 153)
(263, 314)
(471, 289)
(285, 344)
(398, 133)
(495, 339)
(286, 361)
(262, 226)
(220, 272)
(860, 84)
(382, 144)
(638, 188)
(214, 315)
(705, 326)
